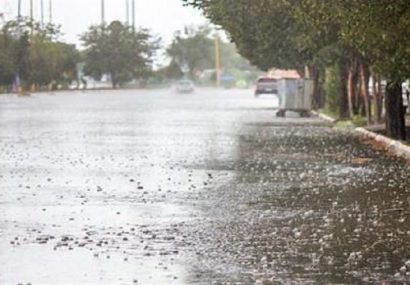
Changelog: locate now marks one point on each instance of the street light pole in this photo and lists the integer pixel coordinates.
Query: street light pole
(42, 12)
(133, 15)
(32, 17)
(31, 12)
(50, 6)
(19, 10)
(17, 79)
(127, 12)
(102, 12)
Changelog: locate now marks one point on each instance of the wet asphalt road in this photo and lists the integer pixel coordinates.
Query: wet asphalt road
(152, 187)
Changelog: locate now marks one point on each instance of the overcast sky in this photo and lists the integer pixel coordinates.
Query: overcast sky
(163, 17)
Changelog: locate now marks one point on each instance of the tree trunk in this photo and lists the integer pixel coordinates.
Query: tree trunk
(395, 117)
(351, 88)
(344, 101)
(314, 74)
(364, 78)
(377, 98)
(358, 99)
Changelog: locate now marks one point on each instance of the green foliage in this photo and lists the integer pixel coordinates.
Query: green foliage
(33, 52)
(318, 33)
(172, 71)
(359, 121)
(119, 51)
(379, 32)
(194, 50)
(328, 112)
(52, 62)
(294, 33)
(7, 64)
(267, 32)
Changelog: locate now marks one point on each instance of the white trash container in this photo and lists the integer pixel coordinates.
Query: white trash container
(295, 95)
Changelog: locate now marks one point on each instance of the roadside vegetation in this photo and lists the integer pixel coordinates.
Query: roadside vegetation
(119, 51)
(32, 57)
(351, 41)
(192, 54)
(356, 52)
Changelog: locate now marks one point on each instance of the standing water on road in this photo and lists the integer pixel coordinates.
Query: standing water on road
(151, 187)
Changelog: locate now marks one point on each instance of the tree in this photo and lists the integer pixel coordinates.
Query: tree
(171, 71)
(379, 32)
(247, 23)
(119, 51)
(193, 49)
(52, 62)
(33, 52)
(361, 36)
(7, 66)
(271, 33)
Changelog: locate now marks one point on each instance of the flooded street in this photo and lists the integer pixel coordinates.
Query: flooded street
(153, 187)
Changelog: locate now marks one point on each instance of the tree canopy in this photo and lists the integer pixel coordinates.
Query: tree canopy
(193, 51)
(359, 36)
(34, 54)
(120, 51)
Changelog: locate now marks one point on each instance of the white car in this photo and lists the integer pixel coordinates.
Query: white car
(185, 86)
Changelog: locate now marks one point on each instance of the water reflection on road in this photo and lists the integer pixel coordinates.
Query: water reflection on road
(151, 187)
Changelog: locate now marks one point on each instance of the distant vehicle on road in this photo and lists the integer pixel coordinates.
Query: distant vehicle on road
(266, 85)
(185, 86)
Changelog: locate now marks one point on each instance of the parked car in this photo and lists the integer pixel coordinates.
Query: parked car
(185, 86)
(266, 85)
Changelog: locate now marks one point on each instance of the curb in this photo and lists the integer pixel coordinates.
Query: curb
(324, 117)
(393, 146)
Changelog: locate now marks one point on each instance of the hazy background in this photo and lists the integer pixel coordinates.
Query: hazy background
(163, 17)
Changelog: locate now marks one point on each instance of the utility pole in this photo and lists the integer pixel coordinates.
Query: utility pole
(127, 12)
(217, 62)
(19, 11)
(31, 12)
(133, 16)
(17, 79)
(50, 7)
(102, 12)
(32, 17)
(42, 12)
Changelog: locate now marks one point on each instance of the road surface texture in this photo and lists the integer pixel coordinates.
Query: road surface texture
(152, 187)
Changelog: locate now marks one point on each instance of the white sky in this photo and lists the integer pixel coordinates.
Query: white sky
(163, 17)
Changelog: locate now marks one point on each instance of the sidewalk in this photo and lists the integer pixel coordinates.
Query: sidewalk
(378, 134)
(381, 129)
